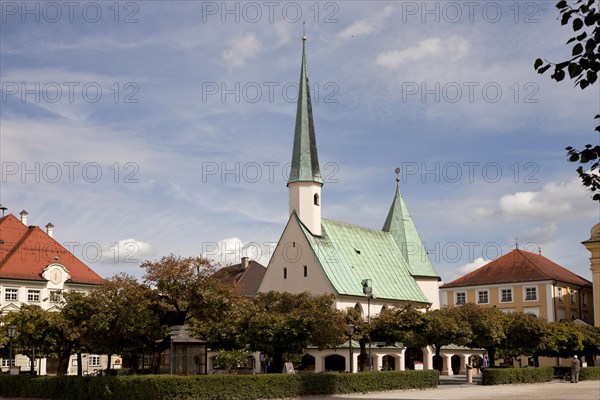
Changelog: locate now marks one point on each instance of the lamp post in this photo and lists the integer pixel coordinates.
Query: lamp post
(11, 332)
(350, 333)
(368, 291)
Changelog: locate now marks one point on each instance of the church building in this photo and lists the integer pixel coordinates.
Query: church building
(324, 256)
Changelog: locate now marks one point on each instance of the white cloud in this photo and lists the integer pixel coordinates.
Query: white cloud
(242, 48)
(231, 250)
(539, 234)
(556, 201)
(472, 266)
(126, 251)
(483, 213)
(366, 26)
(450, 49)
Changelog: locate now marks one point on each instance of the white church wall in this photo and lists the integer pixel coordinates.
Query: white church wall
(430, 288)
(286, 270)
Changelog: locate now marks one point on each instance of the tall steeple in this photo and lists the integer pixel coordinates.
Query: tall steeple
(305, 180)
(305, 161)
(400, 224)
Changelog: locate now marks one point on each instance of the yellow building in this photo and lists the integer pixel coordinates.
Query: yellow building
(593, 245)
(527, 282)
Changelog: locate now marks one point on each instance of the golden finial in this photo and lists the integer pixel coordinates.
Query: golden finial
(303, 32)
(397, 171)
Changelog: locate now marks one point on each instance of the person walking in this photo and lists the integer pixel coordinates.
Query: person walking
(575, 365)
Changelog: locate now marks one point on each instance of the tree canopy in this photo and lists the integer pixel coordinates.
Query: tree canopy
(582, 67)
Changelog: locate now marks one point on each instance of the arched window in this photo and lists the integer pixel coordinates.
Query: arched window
(316, 198)
(358, 308)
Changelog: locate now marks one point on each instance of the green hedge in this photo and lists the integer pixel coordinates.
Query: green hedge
(501, 376)
(589, 374)
(221, 387)
(585, 374)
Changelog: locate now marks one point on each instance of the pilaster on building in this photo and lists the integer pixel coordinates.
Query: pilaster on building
(593, 245)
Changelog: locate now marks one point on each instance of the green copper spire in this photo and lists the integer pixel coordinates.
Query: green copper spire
(305, 162)
(400, 224)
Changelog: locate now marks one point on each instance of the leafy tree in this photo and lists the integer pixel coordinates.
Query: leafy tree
(403, 324)
(487, 325)
(231, 359)
(561, 340)
(124, 321)
(444, 327)
(37, 332)
(591, 341)
(361, 334)
(281, 323)
(524, 334)
(187, 288)
(228, 332)
(79, 335)
(582, 67)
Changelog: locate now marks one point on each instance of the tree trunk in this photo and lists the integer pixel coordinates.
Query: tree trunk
(63, 360)
(31, 363)
(363, 362)
(108, 362)
(277, 365)
(79, 364)
(491, 357)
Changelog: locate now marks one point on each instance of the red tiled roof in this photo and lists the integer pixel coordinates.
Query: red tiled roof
(519, 266)
(248, 279)
(26, 251)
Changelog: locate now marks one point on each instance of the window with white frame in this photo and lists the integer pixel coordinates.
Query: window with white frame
(530, 293)
(5, 362)
(94, 361)
(572, 293)
(33, 295)
(483, 297)
(560, 294)
(55, 296)
(506, 296)
(461, 298)
(11, 294)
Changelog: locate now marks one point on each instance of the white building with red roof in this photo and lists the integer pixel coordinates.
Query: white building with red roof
(35, 269)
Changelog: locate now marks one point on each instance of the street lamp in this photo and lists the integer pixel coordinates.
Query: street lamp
(350, 333)
(11, 332)
(368, 291)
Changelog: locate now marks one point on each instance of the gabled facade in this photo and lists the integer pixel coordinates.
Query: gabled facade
(323, 256)
(247, 276)
(527, 282)
(35, 269)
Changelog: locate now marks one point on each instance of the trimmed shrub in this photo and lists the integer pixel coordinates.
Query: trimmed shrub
(589, 374)
(221, 387)
(501, 376)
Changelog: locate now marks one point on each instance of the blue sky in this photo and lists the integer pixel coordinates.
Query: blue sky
(146, 128)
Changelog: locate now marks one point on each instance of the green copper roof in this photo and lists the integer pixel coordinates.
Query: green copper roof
(400, 224)
(305, 162)
(349, 254)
